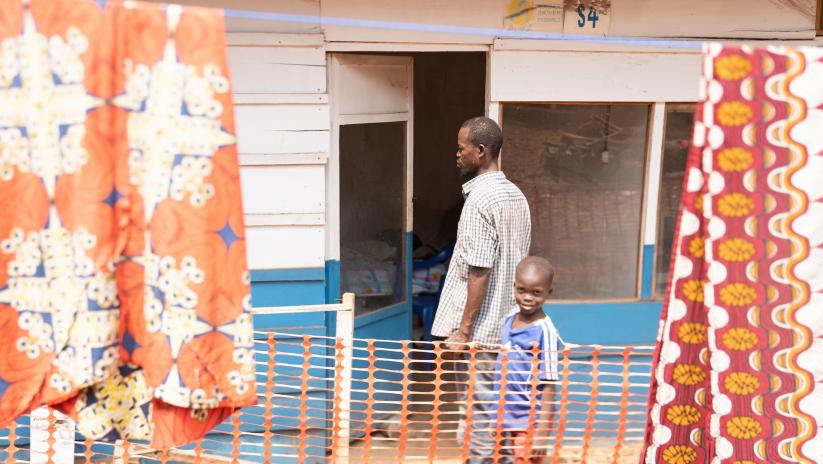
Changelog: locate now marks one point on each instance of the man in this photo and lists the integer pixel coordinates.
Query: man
(493, 236)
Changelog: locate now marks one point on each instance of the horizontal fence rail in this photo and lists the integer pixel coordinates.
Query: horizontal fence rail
(340, 400)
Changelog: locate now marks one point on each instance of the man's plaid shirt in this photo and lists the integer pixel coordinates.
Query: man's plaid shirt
(494, 232)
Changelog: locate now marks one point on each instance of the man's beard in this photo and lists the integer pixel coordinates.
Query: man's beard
(466, 174)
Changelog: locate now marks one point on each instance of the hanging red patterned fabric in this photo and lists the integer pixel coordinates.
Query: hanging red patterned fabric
(124, 293)
(738, 375)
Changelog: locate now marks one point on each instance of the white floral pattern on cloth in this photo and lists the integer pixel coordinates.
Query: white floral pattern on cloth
(43, 103)
(124, 279)
(173, 130)
(173, 125)
(52, 275)
(52, 281)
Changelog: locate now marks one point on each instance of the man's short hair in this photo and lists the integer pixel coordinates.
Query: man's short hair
(486, 132)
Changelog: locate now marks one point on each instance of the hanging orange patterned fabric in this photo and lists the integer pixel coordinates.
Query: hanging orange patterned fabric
(738, 375)
(124, 292)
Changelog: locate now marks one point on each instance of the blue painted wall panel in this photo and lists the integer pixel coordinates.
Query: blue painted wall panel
(294, 287)
(332, 276)
(647, 272)
(606, 323)
(288, 293)
(290, 288)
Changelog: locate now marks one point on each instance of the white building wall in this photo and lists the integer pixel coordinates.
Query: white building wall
(280, 77)
(282, 112)
(726, 19)
(572, 74)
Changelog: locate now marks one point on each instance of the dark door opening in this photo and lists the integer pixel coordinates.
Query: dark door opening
(449, 88)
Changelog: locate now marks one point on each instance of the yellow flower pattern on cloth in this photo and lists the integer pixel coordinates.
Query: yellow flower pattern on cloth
(692, 333)
(737, 295)
(739, 339)
(735, 205)
(696, 247)
(683, 414)
(734, 113)
(743, 428)
(114, 405)
(736, 250)
(679, 454)
(698, 203)
(734, 369)
(732, 67)
(688, 374)
(693, 290)
(741, 383)
(735, 159)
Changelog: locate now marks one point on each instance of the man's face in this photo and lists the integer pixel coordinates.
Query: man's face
(468, 155)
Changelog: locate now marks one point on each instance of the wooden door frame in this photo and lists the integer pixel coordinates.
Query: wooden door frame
(335, 60)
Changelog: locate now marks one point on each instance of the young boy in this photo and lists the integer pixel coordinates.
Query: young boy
(521, 331)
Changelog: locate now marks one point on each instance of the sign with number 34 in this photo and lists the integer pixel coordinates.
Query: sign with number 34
(587, 17)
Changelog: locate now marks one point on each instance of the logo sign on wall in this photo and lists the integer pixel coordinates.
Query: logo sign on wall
(534, 15)
(587, 17)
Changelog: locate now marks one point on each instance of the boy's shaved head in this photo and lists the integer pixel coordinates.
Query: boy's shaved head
(537, 266)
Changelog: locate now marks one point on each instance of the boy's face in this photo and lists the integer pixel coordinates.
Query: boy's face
(531, 289)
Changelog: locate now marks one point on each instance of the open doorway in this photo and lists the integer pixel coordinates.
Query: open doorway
(449, 88)
(379, 109)
(396, 118)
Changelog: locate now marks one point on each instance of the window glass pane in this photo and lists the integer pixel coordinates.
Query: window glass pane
(679, 119)
(372, 213)
(581, 168)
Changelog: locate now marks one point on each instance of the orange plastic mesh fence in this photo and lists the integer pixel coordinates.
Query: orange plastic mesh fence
(400, 401)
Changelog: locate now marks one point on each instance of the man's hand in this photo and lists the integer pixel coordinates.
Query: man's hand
(476, 288)
(457, 342)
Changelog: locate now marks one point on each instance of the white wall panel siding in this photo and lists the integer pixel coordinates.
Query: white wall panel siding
(309, 56)
(749, 19)
(759, 19)
(282, 159)
(268, 39)
(285, 247)
(283, 189)
(310, 9)
(278, 69)
(282, 78)
(561, 76)
(281, 117)
(296, 219)
(283, 126)
(374, 85)
(280, 98)
(449, 14)
(274, 141)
